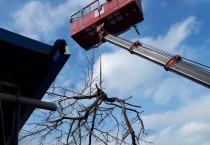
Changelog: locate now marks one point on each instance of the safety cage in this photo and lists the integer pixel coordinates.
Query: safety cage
(117, 16)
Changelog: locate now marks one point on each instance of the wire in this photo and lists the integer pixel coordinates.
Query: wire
(2, 123)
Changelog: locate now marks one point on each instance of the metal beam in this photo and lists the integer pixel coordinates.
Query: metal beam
(28, 102)
(187, 69)
(10, 85)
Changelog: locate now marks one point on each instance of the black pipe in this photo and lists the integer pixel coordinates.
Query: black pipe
(28, 102)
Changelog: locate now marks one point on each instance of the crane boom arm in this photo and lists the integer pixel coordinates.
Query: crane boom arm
(189, 69)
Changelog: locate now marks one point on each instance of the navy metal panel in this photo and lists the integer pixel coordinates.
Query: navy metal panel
(22, 41)
(31, 65)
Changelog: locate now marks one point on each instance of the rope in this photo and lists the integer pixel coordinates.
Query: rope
(92, 63)
(100, 52)
(2, 122)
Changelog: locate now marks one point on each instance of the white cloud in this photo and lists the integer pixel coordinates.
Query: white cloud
(187, 125)
(174, 87)
(38, 19)
(193, 133)
(191, 112)
(124, 72)
(175, 36)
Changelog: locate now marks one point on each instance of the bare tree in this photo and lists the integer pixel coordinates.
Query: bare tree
(86, 115)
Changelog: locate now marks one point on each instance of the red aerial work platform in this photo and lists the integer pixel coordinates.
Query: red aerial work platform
(117, 15)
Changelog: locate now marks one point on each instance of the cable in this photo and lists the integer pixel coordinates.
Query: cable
(2, 123)
(207, 67)
(169, 55)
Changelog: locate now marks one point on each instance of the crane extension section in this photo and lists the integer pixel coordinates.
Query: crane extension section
(175, 63)
(103, 30)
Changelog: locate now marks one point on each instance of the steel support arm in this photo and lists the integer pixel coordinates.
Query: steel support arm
(28, 102)
(181, 67)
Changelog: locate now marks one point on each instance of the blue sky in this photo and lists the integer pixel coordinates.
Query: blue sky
(176, 109)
